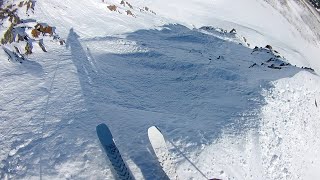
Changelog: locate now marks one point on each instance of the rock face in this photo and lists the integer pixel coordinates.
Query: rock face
(315, 3)
(8, 36)
(44, 29)
(19, 35)
(112, 7)
(124, 7)
(35, 33)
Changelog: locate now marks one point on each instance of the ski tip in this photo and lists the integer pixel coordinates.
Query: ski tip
(153, 129)
(155, 134)
(104, 134)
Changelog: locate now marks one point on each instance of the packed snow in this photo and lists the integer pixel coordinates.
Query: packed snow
(227, 109)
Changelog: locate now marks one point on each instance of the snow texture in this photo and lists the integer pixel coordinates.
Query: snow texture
(229, 111)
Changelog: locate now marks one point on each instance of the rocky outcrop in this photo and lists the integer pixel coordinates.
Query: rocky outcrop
(112, 7)
(23, 32)
(124, 7)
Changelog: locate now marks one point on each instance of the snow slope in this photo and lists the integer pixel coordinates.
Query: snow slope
(227, 108)
(285, 145)
(289, 26)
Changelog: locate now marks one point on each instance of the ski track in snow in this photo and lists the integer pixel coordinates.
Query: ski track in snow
(229, 120)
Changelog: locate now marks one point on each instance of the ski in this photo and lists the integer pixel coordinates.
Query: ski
(106, 139)
(160, 148)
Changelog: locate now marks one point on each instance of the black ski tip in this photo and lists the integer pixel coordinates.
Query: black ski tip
(104, 134)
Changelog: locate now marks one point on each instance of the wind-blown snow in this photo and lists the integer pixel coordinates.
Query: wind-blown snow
(229, 111)
(284, 145)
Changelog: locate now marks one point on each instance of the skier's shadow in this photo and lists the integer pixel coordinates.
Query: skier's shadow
(93, 85)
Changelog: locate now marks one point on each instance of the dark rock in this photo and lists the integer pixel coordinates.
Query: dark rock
(269, 47)
(253, 65)
(272, 66)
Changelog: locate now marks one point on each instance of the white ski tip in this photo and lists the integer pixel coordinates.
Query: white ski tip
(159, 146)
(155, 135)
(153, 129)
(156, 139)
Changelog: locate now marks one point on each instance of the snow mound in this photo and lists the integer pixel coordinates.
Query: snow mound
(285, 146)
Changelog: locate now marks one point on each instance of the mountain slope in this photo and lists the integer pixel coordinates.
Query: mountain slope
(236, 111)
(292, 27)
